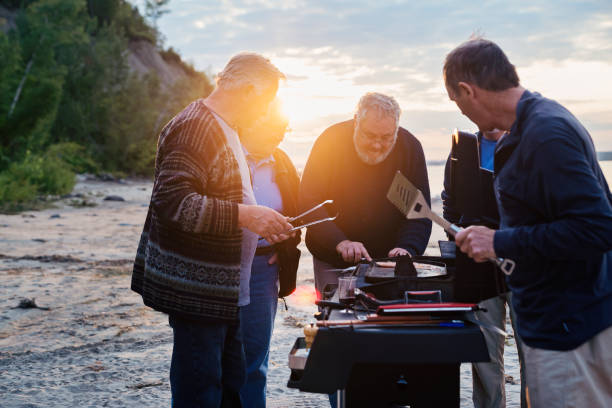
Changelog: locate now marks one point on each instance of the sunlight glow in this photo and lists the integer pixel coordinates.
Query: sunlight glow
(582, 86)
(305, 295)
(311, 93)
(324, 86)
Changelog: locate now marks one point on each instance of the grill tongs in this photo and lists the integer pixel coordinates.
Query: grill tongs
(410, 201)
(307, 212)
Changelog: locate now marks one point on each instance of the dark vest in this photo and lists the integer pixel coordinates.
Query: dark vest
(472, 189)
(288, 255)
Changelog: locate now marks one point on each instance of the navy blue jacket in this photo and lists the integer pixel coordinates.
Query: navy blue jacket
(556, 223)
(334, 171)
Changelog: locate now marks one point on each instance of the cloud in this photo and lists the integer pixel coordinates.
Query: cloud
(335, 51)
(582, 85)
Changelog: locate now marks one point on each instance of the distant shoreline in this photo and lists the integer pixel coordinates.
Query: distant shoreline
(601, 156)
(436, 162)
(604, 156)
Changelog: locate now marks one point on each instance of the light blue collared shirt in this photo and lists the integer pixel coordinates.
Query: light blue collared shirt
(264, 184)
(487, 153)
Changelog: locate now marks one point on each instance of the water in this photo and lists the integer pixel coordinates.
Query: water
(606, 167)
(436, 177)
(436, 180)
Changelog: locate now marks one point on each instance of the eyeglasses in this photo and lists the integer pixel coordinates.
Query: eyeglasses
(384, 140)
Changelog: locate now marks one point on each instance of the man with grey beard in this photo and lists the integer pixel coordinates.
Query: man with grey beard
(353, 163)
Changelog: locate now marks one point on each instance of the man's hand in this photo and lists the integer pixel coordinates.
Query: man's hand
(477, 242)
(265, 222)
(398, 252)
(273, 259)
(352, 251)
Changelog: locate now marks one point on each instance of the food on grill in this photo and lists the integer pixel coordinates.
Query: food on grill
(388, 264)
(425, 270)
(386, 270)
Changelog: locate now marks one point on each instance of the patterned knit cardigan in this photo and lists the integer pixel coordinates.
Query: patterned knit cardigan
(188, 258)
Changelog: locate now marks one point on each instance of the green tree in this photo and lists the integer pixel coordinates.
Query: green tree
(68, 101)
(154, 9)
(13, 4)
(47, 32)
(104, 11)
(9, 73)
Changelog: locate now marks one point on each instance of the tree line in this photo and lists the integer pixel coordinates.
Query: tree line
(69, 102)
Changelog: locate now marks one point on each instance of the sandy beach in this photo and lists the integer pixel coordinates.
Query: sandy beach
(97, 345)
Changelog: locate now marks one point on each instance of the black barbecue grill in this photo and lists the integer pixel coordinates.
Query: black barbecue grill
(407, 364)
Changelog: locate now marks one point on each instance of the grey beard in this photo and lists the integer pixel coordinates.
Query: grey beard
(368, 159)
(364, 157)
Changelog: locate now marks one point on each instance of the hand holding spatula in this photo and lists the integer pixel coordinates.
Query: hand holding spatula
(410, 201)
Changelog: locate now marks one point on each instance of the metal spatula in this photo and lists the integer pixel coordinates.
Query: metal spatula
(410, 201)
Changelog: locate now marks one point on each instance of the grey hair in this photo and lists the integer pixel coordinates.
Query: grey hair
(383, 104)
(249, 68)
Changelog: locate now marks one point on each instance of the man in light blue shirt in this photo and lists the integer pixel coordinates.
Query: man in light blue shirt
(263, 179)
(275, 185)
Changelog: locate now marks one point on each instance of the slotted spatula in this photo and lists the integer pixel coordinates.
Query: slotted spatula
(411, 202)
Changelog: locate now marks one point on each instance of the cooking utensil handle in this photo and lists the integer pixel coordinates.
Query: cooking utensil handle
(454, 229)
(448, 227)
(506, 265)
(305, 213)
(310, 224)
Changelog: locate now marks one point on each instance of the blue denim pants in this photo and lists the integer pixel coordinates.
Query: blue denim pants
(208, 365)
(257, 322)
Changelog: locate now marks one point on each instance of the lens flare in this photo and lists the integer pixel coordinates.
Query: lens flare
(305, 295)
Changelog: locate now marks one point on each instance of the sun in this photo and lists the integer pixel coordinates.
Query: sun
(310, 94)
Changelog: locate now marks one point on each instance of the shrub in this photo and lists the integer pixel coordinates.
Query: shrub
(22, 182)
(53, 176)
(74, 156)
(14, 192)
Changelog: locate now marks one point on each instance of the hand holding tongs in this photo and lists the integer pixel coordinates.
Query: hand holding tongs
(305, 213)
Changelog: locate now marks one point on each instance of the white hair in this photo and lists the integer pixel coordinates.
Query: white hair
(249, 68)
(383, 104)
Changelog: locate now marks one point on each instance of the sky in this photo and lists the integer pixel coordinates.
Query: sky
(334, 51)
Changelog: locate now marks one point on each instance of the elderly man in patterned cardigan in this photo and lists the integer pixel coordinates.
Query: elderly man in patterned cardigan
(195, 253)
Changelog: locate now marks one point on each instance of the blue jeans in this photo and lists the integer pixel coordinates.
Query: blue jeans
(256, 324)
(208, 365)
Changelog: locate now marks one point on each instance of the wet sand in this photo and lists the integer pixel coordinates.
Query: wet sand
(98, 345)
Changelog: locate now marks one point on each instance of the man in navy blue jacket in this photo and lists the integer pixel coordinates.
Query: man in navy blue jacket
(556, 223)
